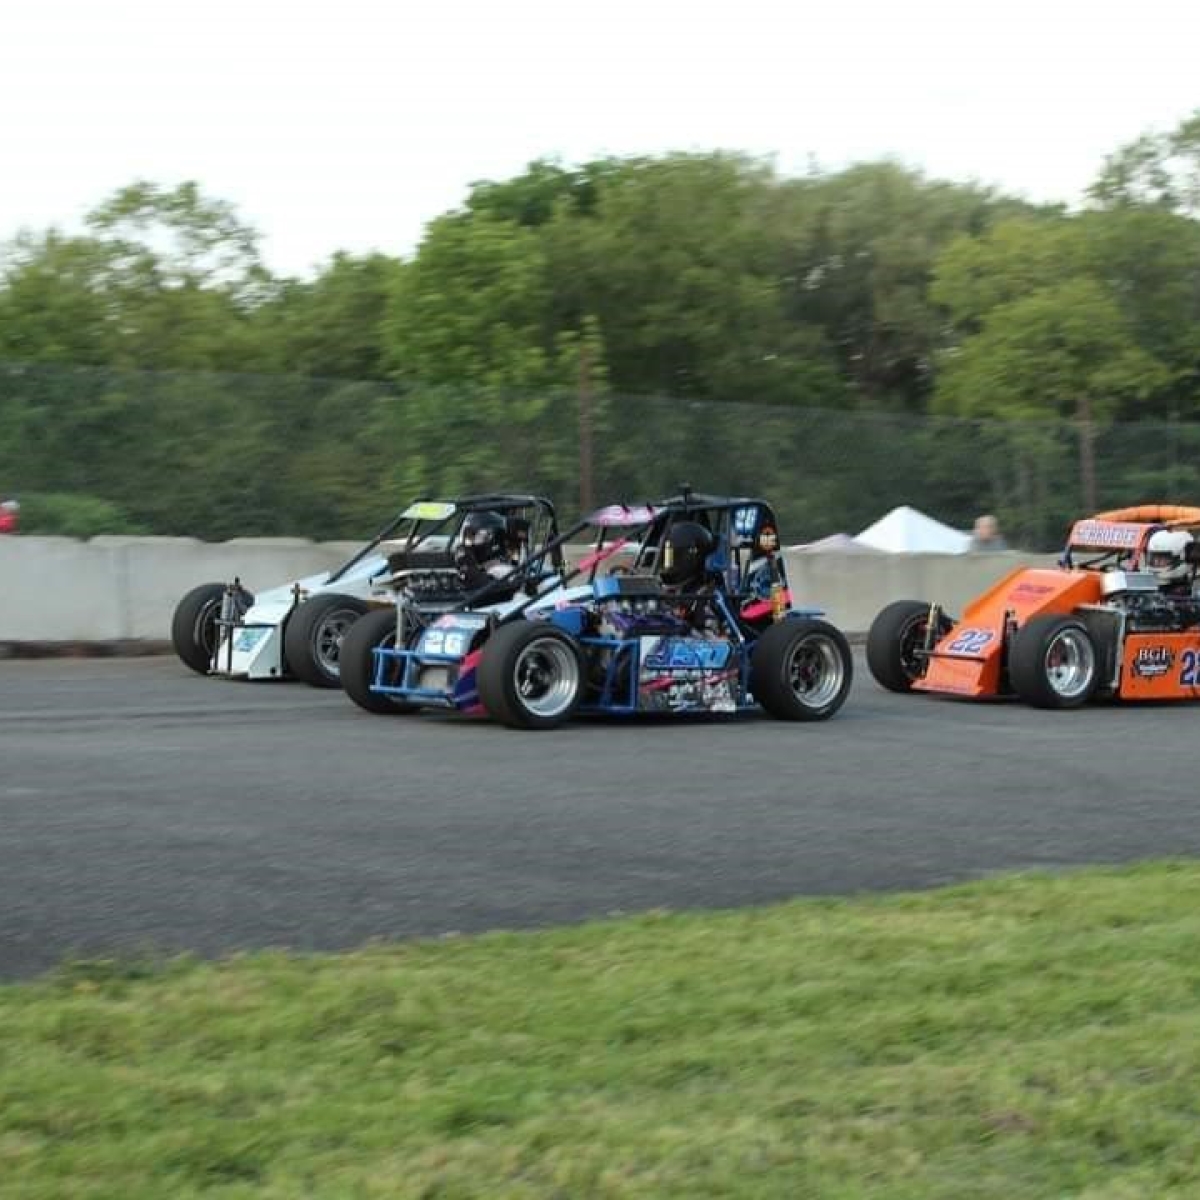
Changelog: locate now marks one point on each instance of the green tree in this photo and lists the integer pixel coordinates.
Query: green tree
(1064, 350)
(179, 238)
(484, 374)
(859, 249)
(331, 326)
(1146, 263)
(678, 260)
(1156, 171)
(471, 307)
(50, 307)
(161, 279)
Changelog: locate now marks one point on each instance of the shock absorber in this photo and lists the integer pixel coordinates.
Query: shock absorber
(234, 605)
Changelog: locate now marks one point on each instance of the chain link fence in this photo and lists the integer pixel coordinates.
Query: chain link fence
(217, 456)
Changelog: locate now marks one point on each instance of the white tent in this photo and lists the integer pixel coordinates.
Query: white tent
(840, 543)
(906, 531)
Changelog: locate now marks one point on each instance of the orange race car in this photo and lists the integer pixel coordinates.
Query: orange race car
(1118, 617)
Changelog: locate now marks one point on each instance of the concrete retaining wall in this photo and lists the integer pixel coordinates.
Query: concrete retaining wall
(125, 589)
(852, 588)
(119, 588)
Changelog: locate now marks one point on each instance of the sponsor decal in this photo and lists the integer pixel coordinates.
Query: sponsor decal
(247, 639)
(623, 514)
(687, 654)
(428, 510)
(1031, 589)
(459, 621)
(1106, 535)
(1151, 661)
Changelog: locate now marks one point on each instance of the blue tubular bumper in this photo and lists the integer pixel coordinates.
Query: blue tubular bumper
(390, 662)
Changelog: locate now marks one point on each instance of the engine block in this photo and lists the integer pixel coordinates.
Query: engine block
(1150, 612)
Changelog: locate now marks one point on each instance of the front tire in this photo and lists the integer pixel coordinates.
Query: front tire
(531, 675)
(895, 636)
(312, 642)
(1053, 663)
(357, 662)
(801, 670)
(194, 626)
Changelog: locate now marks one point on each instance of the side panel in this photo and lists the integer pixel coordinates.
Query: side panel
(969, 660)
(682, 674)
(257, 650)
(1161, 666)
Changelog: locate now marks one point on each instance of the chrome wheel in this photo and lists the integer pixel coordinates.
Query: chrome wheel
(816, 671)
(547, 678)
(328, 635)
(1070, 663)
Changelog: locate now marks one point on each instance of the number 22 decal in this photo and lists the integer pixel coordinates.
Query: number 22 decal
(1189, 669)
(970, 641)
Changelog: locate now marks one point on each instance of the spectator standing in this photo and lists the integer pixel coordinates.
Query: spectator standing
(986, 536)
(10, 516)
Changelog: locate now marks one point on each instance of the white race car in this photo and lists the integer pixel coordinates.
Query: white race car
(295, 630)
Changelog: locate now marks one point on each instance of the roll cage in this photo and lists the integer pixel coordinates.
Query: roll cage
(423, 536)
(745, 564)
(1117, 539)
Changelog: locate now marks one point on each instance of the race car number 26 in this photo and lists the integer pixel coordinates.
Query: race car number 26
(970, 641)
(439, 642)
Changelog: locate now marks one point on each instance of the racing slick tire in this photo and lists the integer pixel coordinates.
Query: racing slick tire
(194, 626)
(1053, 662)
(892, 640)
(357, 662)
(801, 670)
(312, 640)
(531, 675)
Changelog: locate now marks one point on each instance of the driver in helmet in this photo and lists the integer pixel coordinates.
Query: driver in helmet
(683, 555)
(682, 566)
(1167, 558)
(483, 549)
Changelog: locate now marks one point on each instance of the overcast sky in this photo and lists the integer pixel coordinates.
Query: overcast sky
(350, 124)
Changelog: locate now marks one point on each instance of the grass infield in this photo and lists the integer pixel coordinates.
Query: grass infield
(1029, 1036)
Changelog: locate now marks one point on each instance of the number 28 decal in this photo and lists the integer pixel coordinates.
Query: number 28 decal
(970, 641)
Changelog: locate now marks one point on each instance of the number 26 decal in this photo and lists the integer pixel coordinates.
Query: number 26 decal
(970, 641)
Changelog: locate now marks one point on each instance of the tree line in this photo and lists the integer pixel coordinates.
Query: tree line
(844, 335)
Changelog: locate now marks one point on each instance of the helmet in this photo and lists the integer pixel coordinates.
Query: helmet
(686, 547)
(483, 534)
(11, 506)
(1166, 554)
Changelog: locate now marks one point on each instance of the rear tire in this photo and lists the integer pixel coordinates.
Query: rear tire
(801, 670)
(194, 626)
(895, 634)
(357, 663)
(1053, 663)
(531, 675)
(312, 641)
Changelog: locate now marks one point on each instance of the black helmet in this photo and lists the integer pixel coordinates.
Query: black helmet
(483, 535)
(684, 550)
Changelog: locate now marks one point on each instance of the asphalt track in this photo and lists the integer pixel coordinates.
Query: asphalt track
(144, 809)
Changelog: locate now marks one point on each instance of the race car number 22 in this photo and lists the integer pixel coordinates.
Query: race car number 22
(970, 641)
(1189, 669)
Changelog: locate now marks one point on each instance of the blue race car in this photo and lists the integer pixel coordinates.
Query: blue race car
(681, 606)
